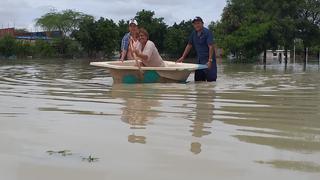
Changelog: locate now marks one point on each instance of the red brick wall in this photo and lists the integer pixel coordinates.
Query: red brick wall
(7, 31)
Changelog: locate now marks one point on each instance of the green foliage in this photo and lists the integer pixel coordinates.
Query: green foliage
(245, 28)
(309, 22)
(73, 49)
(174, 42)
(155, 26)
(122, 30)
(65, 21)
(107, 34)
(68, 47)
(44, 49)
(7, 46)
(86, 35)
(97, 36)
(24, 49)
(176, 38)
(248, 27)
(103, 36)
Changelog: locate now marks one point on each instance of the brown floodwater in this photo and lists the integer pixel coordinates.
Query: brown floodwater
(254, 123)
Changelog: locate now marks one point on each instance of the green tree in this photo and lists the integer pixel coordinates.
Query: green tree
(174, 41)
(176, 38)
(23, 49)
(107, 36)
(44, 49)
(66, 21)
(155, 26)
(249, 27)
(86, 36)
(98, 36)
(7, 46)
(72, 48)
(309, 24)
(123, 28)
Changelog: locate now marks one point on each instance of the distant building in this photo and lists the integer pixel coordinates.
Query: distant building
(7, 31)
(33, 36)
(277, 55)
(30, 36)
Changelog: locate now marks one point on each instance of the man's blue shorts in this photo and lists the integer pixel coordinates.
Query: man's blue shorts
(209, 75)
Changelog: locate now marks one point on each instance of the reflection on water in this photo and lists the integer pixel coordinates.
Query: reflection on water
(195, 148)
(254, 121)
(294, 165)
(203, 115)
(138, 107)
(139, 104)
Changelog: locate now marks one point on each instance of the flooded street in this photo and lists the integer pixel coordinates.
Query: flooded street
(254, 123)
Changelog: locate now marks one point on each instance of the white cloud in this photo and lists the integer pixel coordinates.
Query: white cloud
(22, 13)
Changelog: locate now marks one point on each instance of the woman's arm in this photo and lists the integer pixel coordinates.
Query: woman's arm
(147, 51)
(142, 56)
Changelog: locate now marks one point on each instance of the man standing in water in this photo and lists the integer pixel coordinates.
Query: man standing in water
(133, 29)
(202, 40)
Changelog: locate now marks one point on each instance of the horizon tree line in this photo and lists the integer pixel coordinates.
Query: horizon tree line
(247, 29)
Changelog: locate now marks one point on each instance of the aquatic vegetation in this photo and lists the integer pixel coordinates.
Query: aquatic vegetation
(90, 159)
(62, 153)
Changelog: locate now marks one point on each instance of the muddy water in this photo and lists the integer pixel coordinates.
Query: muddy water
(254, 123)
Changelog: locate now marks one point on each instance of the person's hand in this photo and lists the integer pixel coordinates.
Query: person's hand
(209, 64)
(136, 51)
(180, 60)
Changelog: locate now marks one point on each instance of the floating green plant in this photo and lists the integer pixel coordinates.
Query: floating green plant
(90, 159)
(62, 153)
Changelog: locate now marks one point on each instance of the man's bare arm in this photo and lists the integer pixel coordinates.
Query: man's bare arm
(212, 53)
(185, 53)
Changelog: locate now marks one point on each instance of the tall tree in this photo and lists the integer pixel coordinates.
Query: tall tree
(7, 46)
(176, 38)
(249, 27)
(155, 26)
(66, 22)
(107, 36)
(123, 28)
(86, 35)
(98, 36)
(309, 24)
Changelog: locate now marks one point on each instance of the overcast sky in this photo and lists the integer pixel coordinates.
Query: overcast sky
(22, 13)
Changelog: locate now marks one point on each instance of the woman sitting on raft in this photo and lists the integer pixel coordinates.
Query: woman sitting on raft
(147, 51)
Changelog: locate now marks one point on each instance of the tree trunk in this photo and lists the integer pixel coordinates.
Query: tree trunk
(265, 57)
(286, 56)
(305, 55)
(237, 56)
(319, 57)
(280, 58)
